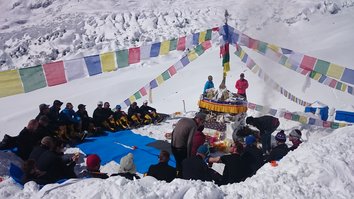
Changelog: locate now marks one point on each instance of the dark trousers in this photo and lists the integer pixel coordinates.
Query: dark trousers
(180, 154)
(266, 141)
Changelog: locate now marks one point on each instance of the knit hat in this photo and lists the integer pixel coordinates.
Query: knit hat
(295, 133)
(127, 164)
(280, 137)
(92, 162)
(250, 140)
(118, 107)
(99, 103)
(201, 115)
(203, 149)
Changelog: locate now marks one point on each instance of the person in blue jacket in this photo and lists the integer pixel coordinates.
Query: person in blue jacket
(209, 84)
(70, 123)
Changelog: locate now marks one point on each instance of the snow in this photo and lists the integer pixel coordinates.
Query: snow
(38, 31)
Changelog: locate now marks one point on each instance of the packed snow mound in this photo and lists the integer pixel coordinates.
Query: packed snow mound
(77, 28)
(318, 169)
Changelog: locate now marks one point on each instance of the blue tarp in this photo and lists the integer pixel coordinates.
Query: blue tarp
(114, 146)
(345, 116)
(323, 111)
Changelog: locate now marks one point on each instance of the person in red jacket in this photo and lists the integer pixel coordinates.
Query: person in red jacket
(198, 140)
(241, 86)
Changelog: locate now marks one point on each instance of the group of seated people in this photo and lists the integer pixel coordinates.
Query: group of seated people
(72, 126)
(117, 120)
(244, 159)
(41, 143)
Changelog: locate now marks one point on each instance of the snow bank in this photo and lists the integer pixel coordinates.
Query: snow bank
(320, 169)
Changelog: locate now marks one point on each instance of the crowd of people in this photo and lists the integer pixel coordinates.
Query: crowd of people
(191, 149)
(41, 143)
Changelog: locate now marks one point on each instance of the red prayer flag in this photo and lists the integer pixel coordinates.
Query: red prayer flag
(134, 55)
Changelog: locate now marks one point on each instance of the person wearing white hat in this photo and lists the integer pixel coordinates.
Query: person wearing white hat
(295, 138)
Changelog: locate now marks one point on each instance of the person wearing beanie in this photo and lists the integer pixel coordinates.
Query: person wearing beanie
(127, 168)
(182, 138)
(93, 164)
(250, 139)
(121, 119)
(196, 167)
(266, 125)
(235, 166)
(252, 155)
(163, 171)
(281, 149)
(295, 138)
(43, 110)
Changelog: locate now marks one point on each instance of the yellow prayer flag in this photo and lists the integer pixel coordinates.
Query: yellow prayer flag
(242, 54)
(287, 63)
(108, 62)
(303, 119)
(192, 56)
(273, 47)
(344, 87)
(159, 79)
(132, 99)
(10, 83)
(226, 67)
(165, 47)
(202, 36)
(342, 124)
(317, 76)
(255, 69)
(335, 71)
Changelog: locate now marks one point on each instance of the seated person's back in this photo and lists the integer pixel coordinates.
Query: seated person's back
(162, 171)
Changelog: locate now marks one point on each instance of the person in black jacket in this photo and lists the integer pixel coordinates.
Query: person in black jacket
(134, 115)
(148, 114)
(53, 114)
(55, 167)
(43, 110)
(162, 171)
(110, 123)
(235, 165)
(86, 121)
(281, 149)
(101, 116)
(47, 143)
(43, 129)
(266, 125)
(252, 155)
(27, 140)
(121, 119)
(196, 167)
